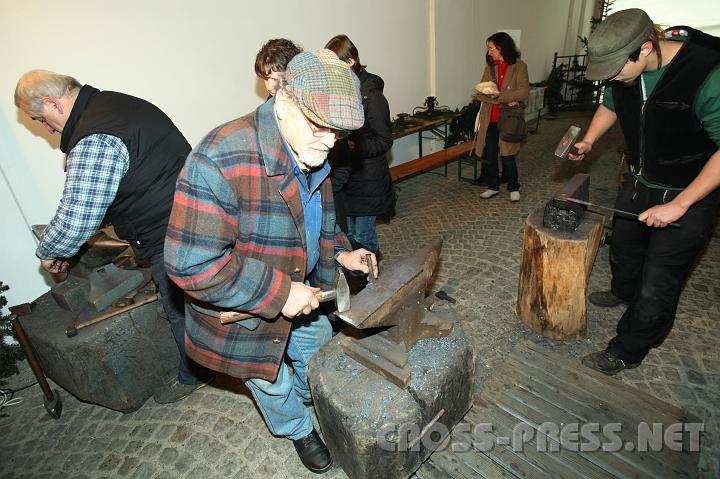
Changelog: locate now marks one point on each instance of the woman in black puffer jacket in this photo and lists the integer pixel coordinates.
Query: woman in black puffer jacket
(360, 172)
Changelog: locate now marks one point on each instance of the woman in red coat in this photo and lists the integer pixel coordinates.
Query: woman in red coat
(504, 67)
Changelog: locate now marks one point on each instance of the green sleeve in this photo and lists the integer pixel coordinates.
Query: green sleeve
(608, 101)
(707, 105)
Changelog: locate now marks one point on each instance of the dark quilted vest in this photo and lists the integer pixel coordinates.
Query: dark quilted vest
(157, 152)
(667, 143)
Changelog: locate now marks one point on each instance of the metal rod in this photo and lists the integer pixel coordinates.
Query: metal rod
(32, 359)
(622, 212)
(72, 331)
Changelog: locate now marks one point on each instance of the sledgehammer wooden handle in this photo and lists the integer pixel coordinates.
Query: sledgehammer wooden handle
(70, 332)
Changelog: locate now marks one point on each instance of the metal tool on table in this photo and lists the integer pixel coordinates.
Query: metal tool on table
(341, 295)
(52, 401)
(394, 303)
(615, 210)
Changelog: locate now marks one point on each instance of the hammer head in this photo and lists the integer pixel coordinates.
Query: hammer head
(342, 291)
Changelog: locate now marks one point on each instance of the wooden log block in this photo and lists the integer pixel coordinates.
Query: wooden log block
(554, 273)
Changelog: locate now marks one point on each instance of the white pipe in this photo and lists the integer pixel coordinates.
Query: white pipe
(432, 48)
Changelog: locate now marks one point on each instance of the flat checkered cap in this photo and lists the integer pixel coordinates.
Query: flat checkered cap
(327, 90)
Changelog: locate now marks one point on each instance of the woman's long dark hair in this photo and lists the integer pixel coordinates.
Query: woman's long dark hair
(345, 49)
(507, 47)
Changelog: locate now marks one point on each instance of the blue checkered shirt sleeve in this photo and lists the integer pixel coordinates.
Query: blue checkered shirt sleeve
(95, 167)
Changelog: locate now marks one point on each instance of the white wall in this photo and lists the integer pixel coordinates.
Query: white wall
(546, 27)
(195, 61)
(701, 14)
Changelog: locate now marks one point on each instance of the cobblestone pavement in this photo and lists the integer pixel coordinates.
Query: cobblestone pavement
(218, 432)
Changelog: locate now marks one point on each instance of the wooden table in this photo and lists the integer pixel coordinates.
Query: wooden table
(437, 126)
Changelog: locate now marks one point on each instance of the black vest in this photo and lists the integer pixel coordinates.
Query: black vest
(157, 150)
(667, 143)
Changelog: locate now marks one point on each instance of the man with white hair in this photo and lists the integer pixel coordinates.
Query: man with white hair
(123, 157)
(253, 230)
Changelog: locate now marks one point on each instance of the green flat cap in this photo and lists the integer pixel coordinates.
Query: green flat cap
(612, 42)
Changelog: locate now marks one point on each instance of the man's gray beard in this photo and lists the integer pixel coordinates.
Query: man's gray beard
(311, 162)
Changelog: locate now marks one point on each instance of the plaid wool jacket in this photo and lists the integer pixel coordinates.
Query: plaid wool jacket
(236, 240)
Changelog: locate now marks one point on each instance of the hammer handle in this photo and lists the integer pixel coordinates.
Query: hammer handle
(72, 331)
(227, 317)
(31, 357)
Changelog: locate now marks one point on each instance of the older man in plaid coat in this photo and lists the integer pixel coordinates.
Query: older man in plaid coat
(253, 230)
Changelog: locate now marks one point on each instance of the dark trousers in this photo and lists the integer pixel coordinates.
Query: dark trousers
(339, 176)
(650, 266)
(491, 171)
(173, 301)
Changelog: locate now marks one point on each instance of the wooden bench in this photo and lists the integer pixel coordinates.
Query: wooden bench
(429, 162)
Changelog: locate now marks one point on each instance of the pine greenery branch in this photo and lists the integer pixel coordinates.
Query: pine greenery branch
(10, 351)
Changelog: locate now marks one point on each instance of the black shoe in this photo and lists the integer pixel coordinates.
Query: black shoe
(606, 299)
(313, 453)
(607, 363)
(173, 391)
(479, 181)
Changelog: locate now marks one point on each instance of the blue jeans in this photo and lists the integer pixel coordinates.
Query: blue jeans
(492, 172)
(282, 402)
(361, 230)
(173, 301)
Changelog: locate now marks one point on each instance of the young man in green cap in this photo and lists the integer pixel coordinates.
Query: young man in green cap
(664, 90)
(253, 230)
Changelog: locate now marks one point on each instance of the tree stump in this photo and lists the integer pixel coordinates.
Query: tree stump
(554, 273)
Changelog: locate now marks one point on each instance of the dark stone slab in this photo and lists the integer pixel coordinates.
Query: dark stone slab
(359, 411)
(117, 363)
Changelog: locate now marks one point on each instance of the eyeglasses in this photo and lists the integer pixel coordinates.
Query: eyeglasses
(319, 131)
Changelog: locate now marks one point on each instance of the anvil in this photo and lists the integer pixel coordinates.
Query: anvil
(389, 316)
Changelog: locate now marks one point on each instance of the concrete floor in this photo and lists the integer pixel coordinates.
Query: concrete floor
(218, 432)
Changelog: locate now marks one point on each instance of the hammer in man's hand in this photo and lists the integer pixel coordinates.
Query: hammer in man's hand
(341, 295)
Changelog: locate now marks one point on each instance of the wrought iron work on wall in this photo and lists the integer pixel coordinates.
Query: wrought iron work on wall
(567, 87)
